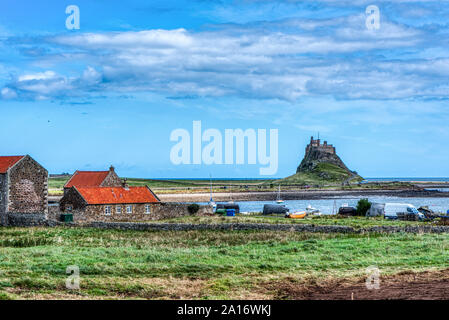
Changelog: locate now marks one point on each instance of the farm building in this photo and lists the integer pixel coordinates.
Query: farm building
(93, 179)
(23, 190)
(109, 203)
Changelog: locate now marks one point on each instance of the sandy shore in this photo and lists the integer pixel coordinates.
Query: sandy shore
(298, 195)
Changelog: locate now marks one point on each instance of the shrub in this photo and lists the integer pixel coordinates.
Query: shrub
(193, 208)
(363, 206)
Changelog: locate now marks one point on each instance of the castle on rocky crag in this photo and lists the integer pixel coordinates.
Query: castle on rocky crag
(317, 153)
(316, 144)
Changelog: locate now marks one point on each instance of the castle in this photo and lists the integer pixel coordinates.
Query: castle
(317, 153)
(316, 144)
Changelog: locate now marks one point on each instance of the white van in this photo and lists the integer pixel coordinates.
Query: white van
(391, 210)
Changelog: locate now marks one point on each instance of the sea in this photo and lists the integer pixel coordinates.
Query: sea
(331, 205)
(407, 179)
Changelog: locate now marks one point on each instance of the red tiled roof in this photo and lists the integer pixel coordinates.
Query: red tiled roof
(86, 179)
(116, 195)
(8, 162)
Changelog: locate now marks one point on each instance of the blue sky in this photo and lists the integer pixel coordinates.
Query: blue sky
(113, 91)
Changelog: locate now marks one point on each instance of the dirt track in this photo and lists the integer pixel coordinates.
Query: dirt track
(403, 286)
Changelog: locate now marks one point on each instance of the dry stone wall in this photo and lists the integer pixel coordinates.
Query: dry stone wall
(158, 211)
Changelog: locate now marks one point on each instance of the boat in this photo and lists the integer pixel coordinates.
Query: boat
(279, 200)
(296, 215)
(313, 211)
(211, 201)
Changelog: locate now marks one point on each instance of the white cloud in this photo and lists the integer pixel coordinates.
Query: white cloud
(38, 76)
(8, 93)
(270, 60)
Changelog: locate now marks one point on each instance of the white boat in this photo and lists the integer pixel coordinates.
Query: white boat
(213, 204)
(279, 200)
(211, 201)
(313, 211)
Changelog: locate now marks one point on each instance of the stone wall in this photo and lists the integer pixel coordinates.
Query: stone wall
(28, 187)
(159, 211)
(72, 198)
(112, 180)
(3, 198)
(266, 226)
(27, 219)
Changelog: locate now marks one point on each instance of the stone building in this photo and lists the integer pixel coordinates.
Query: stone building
(110, 203)
(93, 179)
(23, 190)
(316, 144)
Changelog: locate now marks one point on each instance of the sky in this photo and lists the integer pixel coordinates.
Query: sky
(113, 91)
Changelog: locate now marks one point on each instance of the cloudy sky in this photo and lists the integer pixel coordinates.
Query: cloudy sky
(113, 90)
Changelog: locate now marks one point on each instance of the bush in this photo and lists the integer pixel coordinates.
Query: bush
(193, 208)
(363, 206)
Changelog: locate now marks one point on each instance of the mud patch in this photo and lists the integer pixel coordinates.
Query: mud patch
(429, 285)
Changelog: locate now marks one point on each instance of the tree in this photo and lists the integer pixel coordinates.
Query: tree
(363, 206)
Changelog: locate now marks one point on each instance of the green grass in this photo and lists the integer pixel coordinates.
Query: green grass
(323, 174)
(355, 222)
(191, 186)
(196, 264)
(55, 184)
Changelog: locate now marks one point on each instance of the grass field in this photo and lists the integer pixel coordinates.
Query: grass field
(323, 174)
(197, 264)
(354, 222)
(56, 184)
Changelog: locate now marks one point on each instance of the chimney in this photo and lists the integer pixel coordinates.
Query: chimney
(125, 184)
(111, 168)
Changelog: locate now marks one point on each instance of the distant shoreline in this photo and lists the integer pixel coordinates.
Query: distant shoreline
(381, 179)
(297, 195)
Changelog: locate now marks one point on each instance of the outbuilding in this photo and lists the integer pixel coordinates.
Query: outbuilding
(109, 203)
(23, 191)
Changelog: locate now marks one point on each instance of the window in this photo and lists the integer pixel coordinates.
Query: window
(118, 209)
(69, 208)
(147, 209)
(129, 209)
(107, 210)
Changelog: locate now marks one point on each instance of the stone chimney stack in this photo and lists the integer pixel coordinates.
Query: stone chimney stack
(111, 168)
(125, 184)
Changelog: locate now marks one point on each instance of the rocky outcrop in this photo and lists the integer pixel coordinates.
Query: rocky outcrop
(315, 156)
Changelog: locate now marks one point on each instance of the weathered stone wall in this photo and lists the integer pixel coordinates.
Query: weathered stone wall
(27, 219)
(72, 198)
(266, 226)
(159, 211)
(3, 198)
(112, 180)
(28, 187)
